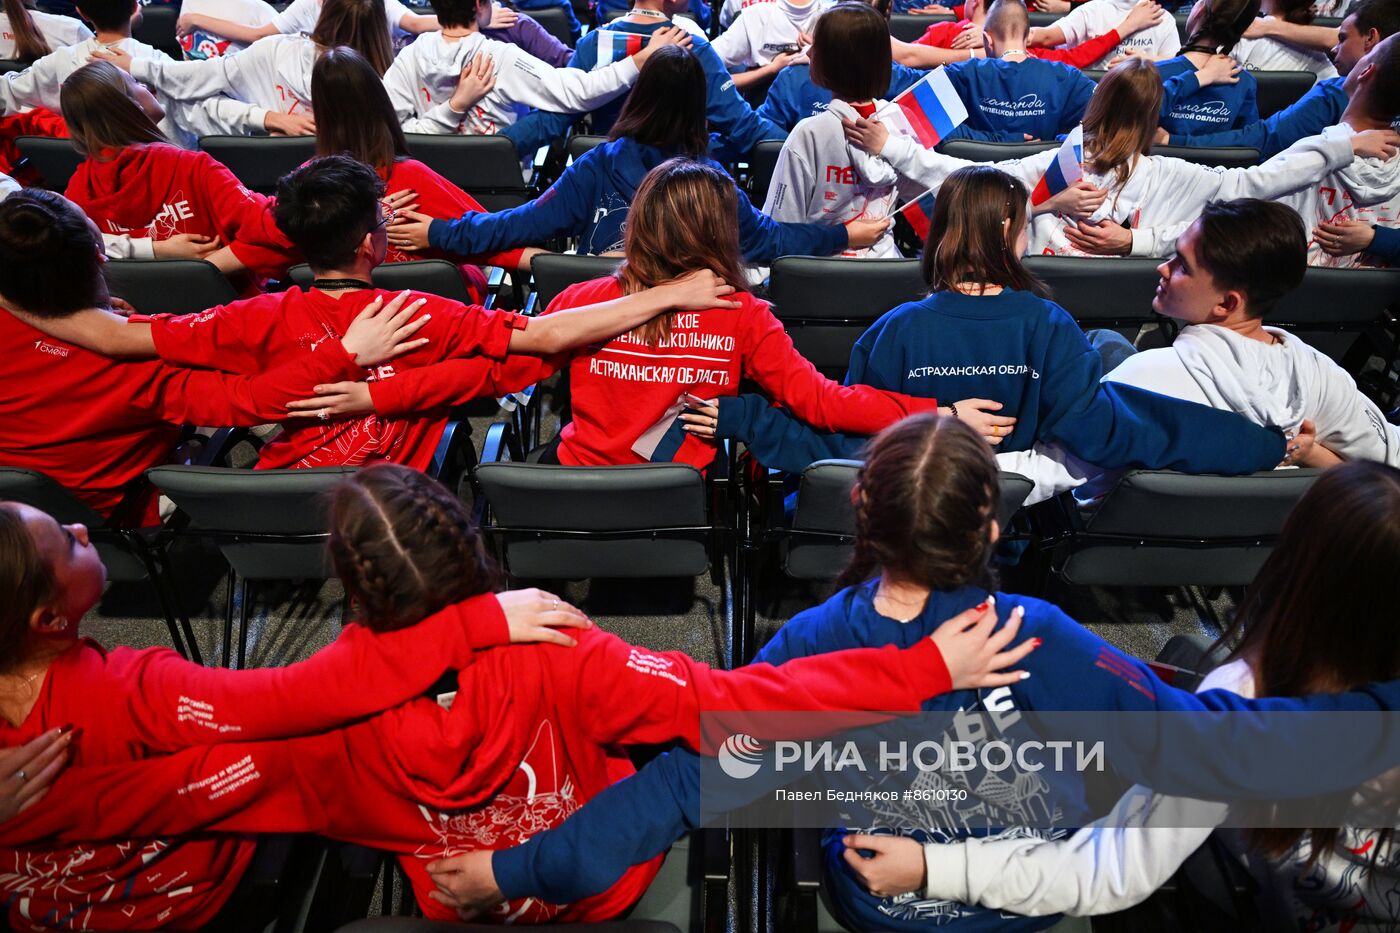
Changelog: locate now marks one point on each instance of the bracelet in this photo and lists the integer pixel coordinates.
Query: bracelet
(953, 408)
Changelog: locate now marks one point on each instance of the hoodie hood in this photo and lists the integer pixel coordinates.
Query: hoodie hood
(628, 162)
(1370, 181)
(1264, 382)
(131, 189)
(874, 171)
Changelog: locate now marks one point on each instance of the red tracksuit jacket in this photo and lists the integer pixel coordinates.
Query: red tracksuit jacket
(131, 704)
(529, 737)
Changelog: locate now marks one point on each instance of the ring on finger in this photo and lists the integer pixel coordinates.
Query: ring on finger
(21, 775)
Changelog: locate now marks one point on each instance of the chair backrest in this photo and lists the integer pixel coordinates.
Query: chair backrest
(555, 21)
(1044, 19)
(611, 15)
(45, 494)
(555, 272)
(826, 304)
(1222, 156)
(156, 26)
(486, 167)
(824, 523)
(10, 66)
(910, 26)
(1279, 90)
(54, 159)
(259, 161)
(1334, 306)
(581, 143)
(647, 520)
(269, 524)
(762, 161)
(1101, 292)
(168, 286)
(976, 151)
(1158, 528)
(431, 276)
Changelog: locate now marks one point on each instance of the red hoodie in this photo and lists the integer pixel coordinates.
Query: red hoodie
(36, 122)
(528, 739)
(157, 190)
(95, 424)
(941, 36)
(131, 704)
(249, 336)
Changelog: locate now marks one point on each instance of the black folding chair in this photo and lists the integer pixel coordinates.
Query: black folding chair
(1279, 90)
(1222, 156)
(555, 272)
(156, 26)
(54, 159)
(978, 151)
(1334, 307)
(168, 286)
(762, 161)
(555, 22)
(430, 276)
(1101, 292)
(486, 167)
(908, 27)
(581, 143)
(260, 161)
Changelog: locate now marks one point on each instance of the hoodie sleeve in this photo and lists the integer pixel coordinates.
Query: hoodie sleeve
(196, 80)
(929, 167)
(244, 220)
(779, 440)
(726, 110)
(542, 127)
(764, 239)
(1085, 53)
(454, 382)
(402, 84)
(1319, 108)
(523, 79)
(790, 190)
(1386, 245)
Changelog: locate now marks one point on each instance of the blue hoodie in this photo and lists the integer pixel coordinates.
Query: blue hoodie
(591, 200)
(1386, 245)
(726, 110)
(1035, 97)
(1072, 670)
(1030, 355)
(1316, 110)
(1191, 110)
(793, 97)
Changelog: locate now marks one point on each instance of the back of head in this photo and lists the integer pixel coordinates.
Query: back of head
(49, 255)
(1381, 86)
(1121, 118)
(455, 13)
(1381, 15)
(1008, 21)
(683, 218)
(25, 579)
(327, 207)
(1300, 12)
(100, 112)
(1217, 25)
(1258, 248)
(354, 115)
(926, 502)
(666, 108)
(977, 216)
(850, 52)
(108, 15)
(360, 24)
(405, 547)
(29, 41)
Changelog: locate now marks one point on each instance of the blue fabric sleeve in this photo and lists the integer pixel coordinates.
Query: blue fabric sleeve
(1386, 245)
(727, 111)
(779, 439)
(902, 78)
(1249, 108)
(1076, 100)
(1178, 87)
(781, 105)
(764, 239)
(542, 127)
(1321, 107)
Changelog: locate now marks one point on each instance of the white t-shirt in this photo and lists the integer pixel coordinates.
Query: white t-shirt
(200, 44)
(301, 16)
(57, 31)
(764, 30)
(1098, 17)
(1272, 55)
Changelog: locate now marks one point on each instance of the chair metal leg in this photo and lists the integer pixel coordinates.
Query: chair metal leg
(175, 620)
(228, 618)
(244, 611)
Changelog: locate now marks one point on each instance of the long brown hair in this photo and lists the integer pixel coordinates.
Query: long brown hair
(976, 218)
(29, 41)
(353, 113)
(360, 24)
(100, 112)
(25, 579)
(666, 108)
(684, 217)
(405, 547)
(1295, 629)
(927, 497)
(1121, 119)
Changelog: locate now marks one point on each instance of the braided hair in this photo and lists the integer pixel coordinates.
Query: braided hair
(926, 497)
(405, 547)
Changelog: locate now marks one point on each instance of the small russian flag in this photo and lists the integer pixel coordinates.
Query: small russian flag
(615, 45)
(928, 111)
(919, 213)
(1067, 168)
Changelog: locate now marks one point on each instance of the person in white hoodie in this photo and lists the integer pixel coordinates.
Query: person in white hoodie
(26, 35)
(820, 177)
(1293, 636)
(424, 76)
(767, 37)
(1098, 17)
(1273, 55)
(1150, 199)
(1231, 268)
(236, 25)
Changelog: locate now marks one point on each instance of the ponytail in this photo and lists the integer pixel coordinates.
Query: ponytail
(29, 41)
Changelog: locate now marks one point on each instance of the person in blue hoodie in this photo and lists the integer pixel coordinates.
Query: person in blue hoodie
(1322, 106)
(987, 331)
(1011, 93)
(664, 117)
(1188, 107)
(737, 127)
(925, 500)
(698, 10)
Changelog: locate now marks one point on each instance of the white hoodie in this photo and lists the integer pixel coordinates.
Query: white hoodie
(301, 16)
(1162, 196)
(1120, 860)
(820, 178)
(1273, 55)
(1278, 385)
(1366, 189)
(1099, 17)
(761, 33)
(424, 75)
(57, 31)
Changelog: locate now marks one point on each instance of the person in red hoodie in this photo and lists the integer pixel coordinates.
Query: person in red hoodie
(527, 737)
(354, 116)
(94, 426)
(128, 703)
(170, 203)
(330, 210)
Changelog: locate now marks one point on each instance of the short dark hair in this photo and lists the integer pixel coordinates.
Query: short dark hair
(1259, 248)
(851, 52)
(666, 108)
(49, 261)
(1008, 18)
(455, 12)
(111, 15)
(1381, 15)
(327, 207)
(1383, 89)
